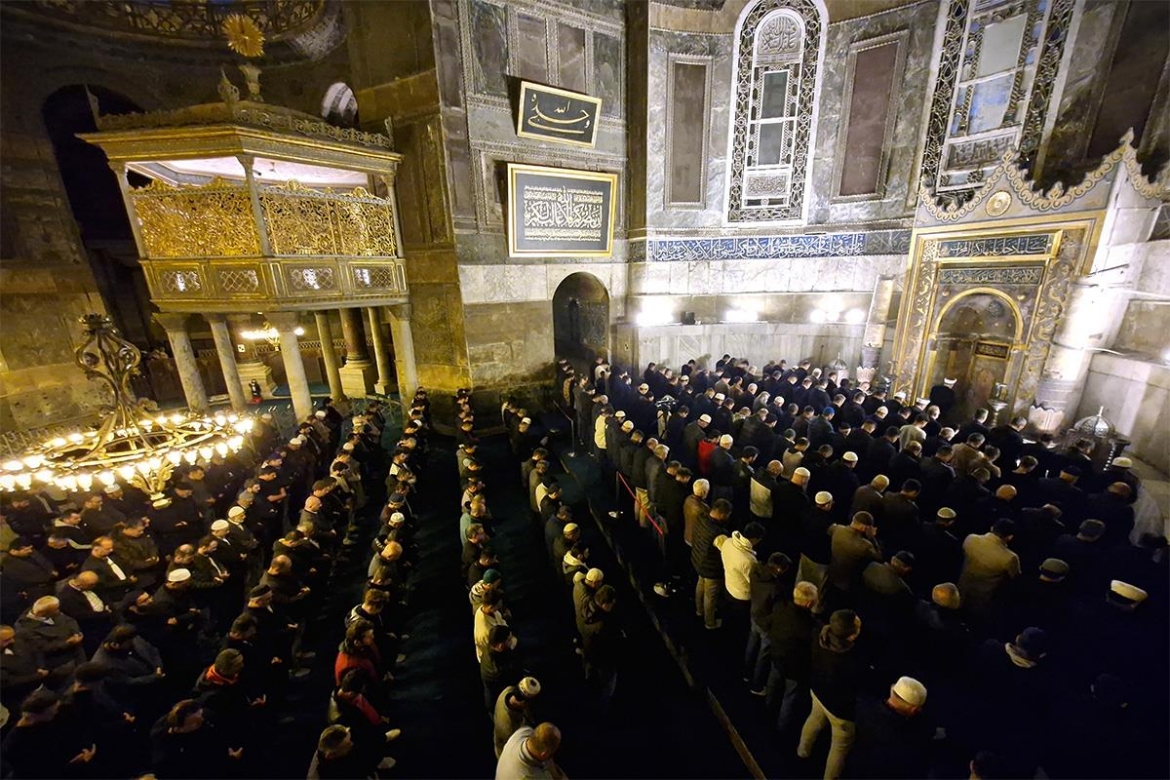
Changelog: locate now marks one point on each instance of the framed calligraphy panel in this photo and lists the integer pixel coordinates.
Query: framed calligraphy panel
(557, 115)
(559, 212)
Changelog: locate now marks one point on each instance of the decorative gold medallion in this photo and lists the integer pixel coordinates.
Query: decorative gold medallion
(999, 203)
(243, 35)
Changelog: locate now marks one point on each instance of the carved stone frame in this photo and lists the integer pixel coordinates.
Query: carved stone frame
(1073, 240)
(708, 68)
(901, 39)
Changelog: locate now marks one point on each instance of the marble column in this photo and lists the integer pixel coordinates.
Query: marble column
(875, 329)
(403, 338)
(188, 368)
(249, 364)
(357, 375)
(329, 355)
(227, 359)
(385, 383)
(285, 323)
(1058, 392)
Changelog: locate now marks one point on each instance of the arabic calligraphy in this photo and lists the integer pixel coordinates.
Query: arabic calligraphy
(555, 125)
(553, 211)
(553, 114)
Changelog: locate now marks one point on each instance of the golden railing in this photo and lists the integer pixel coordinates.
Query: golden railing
(218, 220)
(203, 244)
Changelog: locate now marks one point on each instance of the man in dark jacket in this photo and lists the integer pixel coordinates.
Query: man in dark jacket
(852, 548)
(835, 669)
(25, 576)
(893, 736)
(707, 561)
(790, 633)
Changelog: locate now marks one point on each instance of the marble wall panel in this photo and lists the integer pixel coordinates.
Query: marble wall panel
(490, 41)
(571, 57)
(608, 74)
(531, 54)
(1136, 397)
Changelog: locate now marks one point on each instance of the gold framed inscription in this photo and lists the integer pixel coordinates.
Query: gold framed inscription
(559, 212)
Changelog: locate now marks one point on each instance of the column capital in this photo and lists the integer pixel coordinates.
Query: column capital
(215, 317)
(172, 322)
(401, 311)
(282, 320)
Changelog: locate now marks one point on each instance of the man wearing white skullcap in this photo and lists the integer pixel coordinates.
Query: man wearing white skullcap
(893, 737)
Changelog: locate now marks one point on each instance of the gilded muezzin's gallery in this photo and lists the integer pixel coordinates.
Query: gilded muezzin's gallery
(796, 374)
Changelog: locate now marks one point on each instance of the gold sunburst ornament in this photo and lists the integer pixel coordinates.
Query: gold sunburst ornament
(243, 35)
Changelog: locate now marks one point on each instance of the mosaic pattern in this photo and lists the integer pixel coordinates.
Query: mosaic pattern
(1040, 244)
(886, 242)
(977, 114)
(996, 276)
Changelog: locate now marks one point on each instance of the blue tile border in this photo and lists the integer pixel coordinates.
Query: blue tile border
(878, 242)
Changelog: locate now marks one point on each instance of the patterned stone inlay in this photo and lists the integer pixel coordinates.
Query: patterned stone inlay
(889, 242)
(999, 276)
(1039, 244)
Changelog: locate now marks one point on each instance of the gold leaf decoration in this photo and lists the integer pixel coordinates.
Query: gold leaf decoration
(243, 35)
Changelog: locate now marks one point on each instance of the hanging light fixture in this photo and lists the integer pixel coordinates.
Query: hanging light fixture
(269, 334)
(133, 444)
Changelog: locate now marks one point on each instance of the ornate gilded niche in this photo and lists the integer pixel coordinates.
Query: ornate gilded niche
(983, 302)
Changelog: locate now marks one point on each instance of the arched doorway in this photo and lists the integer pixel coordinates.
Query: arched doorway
(581, 318)
(974, 344)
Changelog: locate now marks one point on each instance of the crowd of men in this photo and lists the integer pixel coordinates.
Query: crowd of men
(868, 548)
(524, 746)
(162, 634)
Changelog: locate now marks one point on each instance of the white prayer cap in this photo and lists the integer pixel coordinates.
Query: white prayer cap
(527, 421)
(594, 576)
(802, 472)
(823, 497)
(900, 394)
(946, 513)
(179, 575)
(619, 414)
(1128, 592)
(725, 440)
(219, 525)
(850, 456)
(237, 511)
(910, 691)
(1123, 463)
(720, 396)
(949, 382)
(529, 687)
(110, 490)
(706, 418)
(628, 425)
(319, 414)
(397, 518)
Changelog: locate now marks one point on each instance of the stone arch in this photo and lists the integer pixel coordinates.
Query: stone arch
(581, 317)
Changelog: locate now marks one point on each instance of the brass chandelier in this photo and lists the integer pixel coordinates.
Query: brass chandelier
(134, 443)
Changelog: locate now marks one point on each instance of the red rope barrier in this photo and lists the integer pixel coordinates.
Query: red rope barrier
(640, 506)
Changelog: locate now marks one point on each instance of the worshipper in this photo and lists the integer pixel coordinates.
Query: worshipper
(601, 639)
(22, 669)
(851, 548)
(499, 665)
(528, 754)
(43, 742)
(368, 728)
(739, 558)
(790, 633)
(513, 711)
(893, 737)
(187, 744)
(768, 581)
(25, 576)
(988, 563)
(834, 681)
(707, 561)
(52, 636)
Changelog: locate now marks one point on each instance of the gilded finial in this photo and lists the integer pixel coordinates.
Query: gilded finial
(244, 36)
